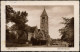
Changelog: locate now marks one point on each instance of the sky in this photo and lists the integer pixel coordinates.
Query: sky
(55, 14)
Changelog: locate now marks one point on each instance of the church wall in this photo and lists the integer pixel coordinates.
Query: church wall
(29, 36)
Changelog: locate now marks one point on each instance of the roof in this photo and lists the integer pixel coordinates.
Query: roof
(32, 29)
(44, 13)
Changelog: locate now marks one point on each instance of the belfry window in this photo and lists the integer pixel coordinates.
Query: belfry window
(43, 17)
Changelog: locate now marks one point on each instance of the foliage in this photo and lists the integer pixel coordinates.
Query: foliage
(20, 26)
(9, 12)
(67, 32)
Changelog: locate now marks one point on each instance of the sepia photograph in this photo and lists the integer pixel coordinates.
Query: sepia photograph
(41, 25)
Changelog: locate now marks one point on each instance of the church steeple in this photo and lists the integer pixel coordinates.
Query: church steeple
(44, 13)
(44, 23)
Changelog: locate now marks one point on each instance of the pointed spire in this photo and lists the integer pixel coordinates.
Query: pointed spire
(44, 13)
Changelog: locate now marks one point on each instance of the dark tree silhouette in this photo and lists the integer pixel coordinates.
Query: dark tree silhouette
(20, 26)
(67, 32)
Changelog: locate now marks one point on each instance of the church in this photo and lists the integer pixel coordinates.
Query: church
(40, 36)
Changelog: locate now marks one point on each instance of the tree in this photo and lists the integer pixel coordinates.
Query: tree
(67, 32)
(20, 20)
(9, 11)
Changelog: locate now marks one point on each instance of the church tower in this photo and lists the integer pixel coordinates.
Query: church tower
(44, 23)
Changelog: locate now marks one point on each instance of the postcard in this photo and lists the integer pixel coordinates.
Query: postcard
(39, 25)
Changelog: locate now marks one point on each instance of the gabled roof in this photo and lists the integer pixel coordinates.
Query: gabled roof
(44, 13)
(32, 29)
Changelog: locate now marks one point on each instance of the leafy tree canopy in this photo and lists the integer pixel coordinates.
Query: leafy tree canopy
(67, 32)
(20, 20)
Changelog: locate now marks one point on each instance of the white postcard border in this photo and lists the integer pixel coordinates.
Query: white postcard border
(76, 26)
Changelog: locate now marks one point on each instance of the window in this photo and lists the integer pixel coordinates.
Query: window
(43, 17)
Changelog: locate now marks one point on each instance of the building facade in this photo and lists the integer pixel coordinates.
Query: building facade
(44, 24)
(41, 34)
